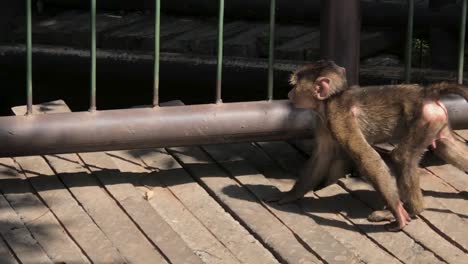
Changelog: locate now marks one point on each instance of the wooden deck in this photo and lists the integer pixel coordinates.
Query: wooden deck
(189, 35)
(204, 205)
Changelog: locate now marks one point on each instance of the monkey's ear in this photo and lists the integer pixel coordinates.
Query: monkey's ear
(322, 88)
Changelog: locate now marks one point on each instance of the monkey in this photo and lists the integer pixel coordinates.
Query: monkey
(352, 119)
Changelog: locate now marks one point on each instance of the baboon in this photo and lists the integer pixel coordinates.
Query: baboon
(354, 118)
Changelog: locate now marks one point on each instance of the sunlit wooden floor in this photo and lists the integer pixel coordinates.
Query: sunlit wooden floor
(205, 205)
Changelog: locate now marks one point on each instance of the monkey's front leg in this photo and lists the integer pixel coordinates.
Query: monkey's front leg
(314, 171)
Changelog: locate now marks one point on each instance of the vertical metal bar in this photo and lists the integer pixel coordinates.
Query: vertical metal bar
(29, 58)
(461, 51)
(340, 34)
(92, 106)
(157, 26)
(409, 41)
(271, 54)
(220, 52)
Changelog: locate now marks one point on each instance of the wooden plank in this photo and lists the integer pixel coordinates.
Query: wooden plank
(227, 230)
(206, 42)
(202, 240)
(153, 225)
(6, 256)
(417, 228)
(305, 47)
(373, 42)
(52, 191)
(140, 35)
(451, 175)
(245, 44)
(39, 109)
(18, 237)
(336, 225)
(182, 42)
(344, 231)
(283, 34)
(463, 134)
(72, 28)
(234, 236)
(399, 244)
(284, 154)
(38, 218)
(319, 240)
(261, 162)
(196, 235)
(244, 206)
(157, 230)
(73, 217)
(103, 209)
(163, 162)
(449, 197)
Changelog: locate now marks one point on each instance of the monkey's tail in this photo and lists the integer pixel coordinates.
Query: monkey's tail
(434, 91)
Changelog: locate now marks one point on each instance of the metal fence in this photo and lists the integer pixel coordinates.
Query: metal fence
(93, 107)
(218, 98)
(409, 41)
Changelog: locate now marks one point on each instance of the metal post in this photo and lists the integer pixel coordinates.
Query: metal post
(340, 26)
(409, 41)
(220, 52)
(157, 25)
(461, 51)
(29, 58)
(271, 54)
(92, 106)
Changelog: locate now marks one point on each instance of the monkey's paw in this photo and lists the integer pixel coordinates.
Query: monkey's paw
(380, 216)
(282, 197)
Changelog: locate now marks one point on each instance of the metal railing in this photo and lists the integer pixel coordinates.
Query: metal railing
(207, 124)
(409, 41)
(157, 25)
(218, 99)
(461, 51)
(29, 89)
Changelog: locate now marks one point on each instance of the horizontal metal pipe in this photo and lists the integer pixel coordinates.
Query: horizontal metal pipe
(458, 111)
(167, 126)
(152, 127)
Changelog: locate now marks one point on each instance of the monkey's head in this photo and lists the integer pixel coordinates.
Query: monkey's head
(316, 82)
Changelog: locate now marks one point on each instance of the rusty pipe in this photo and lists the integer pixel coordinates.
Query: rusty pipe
(152, 127)
(141, 128)
(457, 109)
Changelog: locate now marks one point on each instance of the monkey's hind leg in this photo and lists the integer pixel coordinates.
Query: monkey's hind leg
(451, 150)
(408, 153)
(370, 164)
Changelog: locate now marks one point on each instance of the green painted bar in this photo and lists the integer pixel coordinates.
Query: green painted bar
(409, 41)
(220, 52)
(157, 28)
(271, 53)
(29, 58)
(92, 106)
(461, 52)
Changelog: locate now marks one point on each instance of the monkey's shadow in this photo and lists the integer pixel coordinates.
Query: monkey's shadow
(322, 211)
(354, 206)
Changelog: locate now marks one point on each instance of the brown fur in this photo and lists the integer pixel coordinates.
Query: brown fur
(355, 118)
